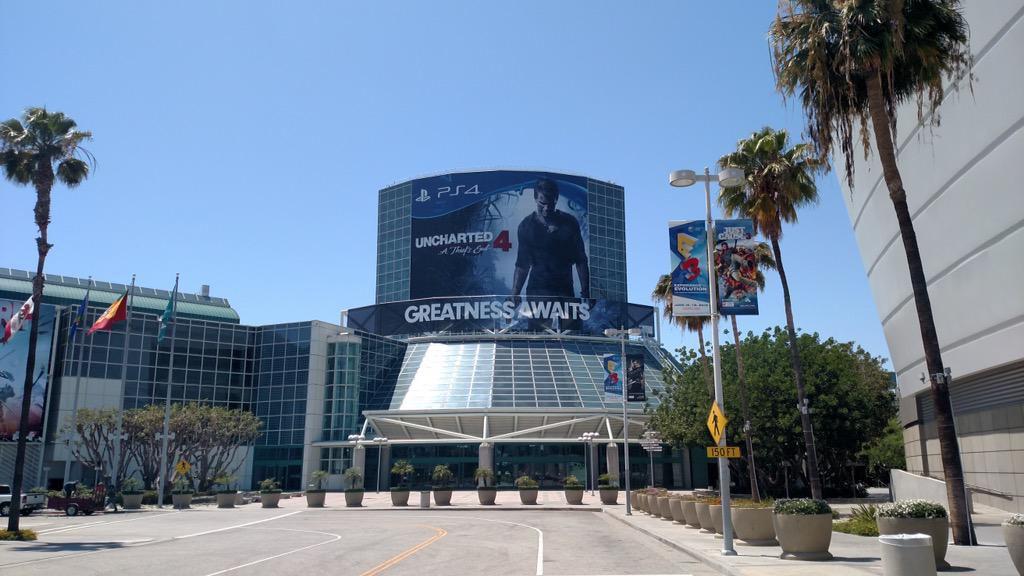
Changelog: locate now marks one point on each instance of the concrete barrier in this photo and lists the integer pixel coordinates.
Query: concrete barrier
(905, 486)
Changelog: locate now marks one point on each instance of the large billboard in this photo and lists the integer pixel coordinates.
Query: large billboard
(13, 360)
(506, 233)
(736, 267)
(691, 294)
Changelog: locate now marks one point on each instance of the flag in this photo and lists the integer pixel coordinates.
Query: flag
(612, 380)
(167, 318)
(76, 324)
(18, 320)
(117, 312)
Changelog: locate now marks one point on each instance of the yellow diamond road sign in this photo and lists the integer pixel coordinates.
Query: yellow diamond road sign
(717, 422)
(183, 467)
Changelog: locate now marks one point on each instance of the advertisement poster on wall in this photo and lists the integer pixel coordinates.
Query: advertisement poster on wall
(636, 384)
(736, 266)
(13, 360)
(518, 234)
(691, 294)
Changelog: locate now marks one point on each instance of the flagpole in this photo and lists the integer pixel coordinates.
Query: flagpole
(73, 432)
(119, 437)
(167, 401)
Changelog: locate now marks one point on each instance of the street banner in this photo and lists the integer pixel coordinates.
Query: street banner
(691, 293)
(736, 266)
(612, 381)
(636, 386)
(14, 362)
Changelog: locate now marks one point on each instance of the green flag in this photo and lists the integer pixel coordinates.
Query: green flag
(167, 318)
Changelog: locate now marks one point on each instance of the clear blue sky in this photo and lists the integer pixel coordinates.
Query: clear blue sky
(243, 143)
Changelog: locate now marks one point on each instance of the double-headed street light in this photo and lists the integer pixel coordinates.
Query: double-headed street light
(727, 178)
(588, 439)
(624, 335)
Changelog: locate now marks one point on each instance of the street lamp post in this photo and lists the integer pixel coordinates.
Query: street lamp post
(727, 177)
(380, 442)
(588, 442)
(624, 335)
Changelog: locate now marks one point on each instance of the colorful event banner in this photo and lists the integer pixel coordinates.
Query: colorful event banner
(13, 360)
(636, 384)
(736, 266)
(612, 381)
(691, 294)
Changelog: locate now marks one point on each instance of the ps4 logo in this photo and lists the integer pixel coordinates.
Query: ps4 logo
(448, 192)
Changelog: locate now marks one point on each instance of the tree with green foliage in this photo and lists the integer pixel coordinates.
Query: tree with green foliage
(38, 149)
(885, 452)
(853, 63)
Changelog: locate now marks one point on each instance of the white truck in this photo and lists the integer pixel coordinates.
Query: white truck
(29, 502)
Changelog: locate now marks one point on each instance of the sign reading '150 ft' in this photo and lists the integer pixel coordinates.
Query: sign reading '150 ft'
(499, 233)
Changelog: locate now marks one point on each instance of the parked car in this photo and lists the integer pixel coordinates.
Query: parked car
(29, 502)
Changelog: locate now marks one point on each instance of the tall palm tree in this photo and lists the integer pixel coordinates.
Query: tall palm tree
(779, 179)
(39, 148)
(853, 63)
(662, 294)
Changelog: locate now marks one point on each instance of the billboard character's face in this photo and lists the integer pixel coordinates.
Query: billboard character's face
(546, 201)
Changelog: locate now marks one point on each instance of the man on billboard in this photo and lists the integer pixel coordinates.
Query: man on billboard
(550, 245)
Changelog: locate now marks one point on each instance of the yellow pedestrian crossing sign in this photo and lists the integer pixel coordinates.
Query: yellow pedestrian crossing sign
(182, 467)
(717, 422)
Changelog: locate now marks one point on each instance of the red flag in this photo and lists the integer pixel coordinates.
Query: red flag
(19, 318)
(117, 312)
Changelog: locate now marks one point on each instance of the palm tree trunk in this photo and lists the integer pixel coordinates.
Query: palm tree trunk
(798, 372)
(755, 493)
(43, 181)
(952, 467)
(704, 364)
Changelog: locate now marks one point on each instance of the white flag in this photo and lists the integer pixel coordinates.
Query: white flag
(18, 319)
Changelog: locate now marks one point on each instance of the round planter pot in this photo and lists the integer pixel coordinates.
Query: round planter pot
(181, 501)
(226, 499)
(652, 505)
(690, 513)
(528, 495)
(715, 510)
(609, 495)
(803, 536)
(487, 496)
(399, 497)
(269, 499)
(1014, 537)
(675, 505)
(238, 499)
(634, 500)
(574, 496)
(132, 501)
(663, 508)
(443, 497)
(315, 498)
(704, 518)
(754, 526)
(353, 499)
(937, 528)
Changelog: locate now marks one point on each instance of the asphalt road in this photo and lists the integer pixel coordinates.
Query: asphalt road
(207, 541)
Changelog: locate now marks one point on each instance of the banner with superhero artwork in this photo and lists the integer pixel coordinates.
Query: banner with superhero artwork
(13, 362)
(736, 267)
(691, 293)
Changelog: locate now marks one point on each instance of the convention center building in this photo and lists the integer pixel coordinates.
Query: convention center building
(495, 294)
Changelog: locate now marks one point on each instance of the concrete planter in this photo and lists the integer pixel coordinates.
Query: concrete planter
(131, 501)
(487, 496)
(663, 508)
(635, 500)
(803, 536)
(1014, 537)
(704, 518)
(226, 499)
(353, 499)
(574, 496)
(676, 506)
(315, 498)
(609, 495)
(269, 499)
(528, 495)
(754, 526)
(399, 497)
(690, 513)
(652, 506)
(937, 528)
(443, 497)
(181, 501)
(715, 510)
(239, 500)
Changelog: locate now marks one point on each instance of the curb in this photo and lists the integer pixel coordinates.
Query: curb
(456, 509)
(715, 563)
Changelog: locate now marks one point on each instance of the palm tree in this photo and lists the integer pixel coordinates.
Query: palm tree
(778, 180)
(853, 63)
(30, 148)
(662, 294)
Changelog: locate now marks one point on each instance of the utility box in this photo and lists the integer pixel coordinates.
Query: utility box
(907, 555)
(425, 500)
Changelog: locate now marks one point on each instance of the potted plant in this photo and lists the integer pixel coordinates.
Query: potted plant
(652, 502)
(270, 492)
(527, 489)
(181, 493)
(675, 505)
(573, 490)
(316, 494)
(689, 506)
(354, 493)
(664, 508)
(485, 492)
(1013, 535)
(703, 508)
(917, 517)
(804, 528)
(225, 494)
(131, 494)
(609, 490)
(400, 493)
(752, 522)
(442, 476)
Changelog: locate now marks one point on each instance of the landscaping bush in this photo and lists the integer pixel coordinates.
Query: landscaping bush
(24, 535)
(862, 522)
(912, 509)
(748, 503)
(1015, 520)
(573, 483)
(802, 506)
(526, 483)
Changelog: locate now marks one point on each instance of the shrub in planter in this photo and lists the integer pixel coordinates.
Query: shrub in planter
(225, 494)
(181, 494)
(400, 493)
(131, 494)
(862, 522)
(609, 490)
(270, 492)
(573, 490)
(486, 493)
(442, 477)
(804, 528)
(527, 489)
(917, 517)
(354, 493)
(752, 522)
(1013, 535)
(315, 493)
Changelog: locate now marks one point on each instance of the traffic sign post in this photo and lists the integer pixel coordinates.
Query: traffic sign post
(717, 422)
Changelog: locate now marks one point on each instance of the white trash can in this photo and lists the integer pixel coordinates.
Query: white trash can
(907, 555)
(425, 501)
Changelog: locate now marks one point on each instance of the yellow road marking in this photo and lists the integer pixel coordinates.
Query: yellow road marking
(439, 533)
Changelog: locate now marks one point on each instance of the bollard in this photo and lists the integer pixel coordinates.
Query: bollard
(907, 555)
(425, 499)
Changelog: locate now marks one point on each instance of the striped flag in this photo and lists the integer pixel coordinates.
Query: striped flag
(117, 312)
(18, 320)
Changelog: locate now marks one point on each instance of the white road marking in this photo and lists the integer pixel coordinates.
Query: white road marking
(236, 526)
(100, 523)
(540, 536)
(335, 539)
